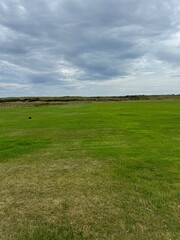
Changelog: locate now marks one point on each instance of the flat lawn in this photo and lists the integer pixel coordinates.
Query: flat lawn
(90, 171)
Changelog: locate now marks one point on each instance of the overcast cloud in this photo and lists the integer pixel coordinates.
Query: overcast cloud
(89, 47)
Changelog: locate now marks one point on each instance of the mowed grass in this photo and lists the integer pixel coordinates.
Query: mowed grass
(90, 171)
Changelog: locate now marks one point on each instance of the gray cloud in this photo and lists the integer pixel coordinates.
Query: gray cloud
(75, 45)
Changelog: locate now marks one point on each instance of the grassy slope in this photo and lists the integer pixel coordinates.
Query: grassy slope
(90, 171)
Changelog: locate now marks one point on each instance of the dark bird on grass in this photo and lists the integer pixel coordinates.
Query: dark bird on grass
(29, 117)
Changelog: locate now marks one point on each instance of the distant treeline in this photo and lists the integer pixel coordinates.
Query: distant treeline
(87, 99)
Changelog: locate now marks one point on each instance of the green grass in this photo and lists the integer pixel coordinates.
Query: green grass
(103, 171)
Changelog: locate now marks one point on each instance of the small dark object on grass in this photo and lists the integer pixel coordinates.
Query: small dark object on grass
(29, 117)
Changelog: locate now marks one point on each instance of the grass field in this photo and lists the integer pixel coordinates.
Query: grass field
(106, 171)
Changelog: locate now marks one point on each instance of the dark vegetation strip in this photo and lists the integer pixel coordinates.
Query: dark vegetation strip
(39, 101)
(97, 98)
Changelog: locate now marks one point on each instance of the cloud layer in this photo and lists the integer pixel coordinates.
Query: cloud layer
(77, 47)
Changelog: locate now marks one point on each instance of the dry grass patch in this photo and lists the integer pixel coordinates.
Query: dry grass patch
(72, 199)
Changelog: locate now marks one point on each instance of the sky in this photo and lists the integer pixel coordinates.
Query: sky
(89, 47)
